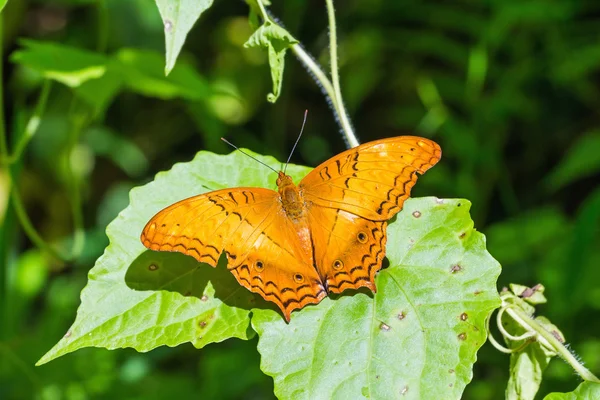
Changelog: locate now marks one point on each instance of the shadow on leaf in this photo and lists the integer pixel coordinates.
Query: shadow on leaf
(176, 272)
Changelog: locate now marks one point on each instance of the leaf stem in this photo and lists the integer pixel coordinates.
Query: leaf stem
(331, 88)
(497, 345)
(316, 70)
(549, 340)
(4, 219)
(337, 100)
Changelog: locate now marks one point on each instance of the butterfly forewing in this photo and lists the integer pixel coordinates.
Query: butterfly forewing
(372, 180)
(249, 224)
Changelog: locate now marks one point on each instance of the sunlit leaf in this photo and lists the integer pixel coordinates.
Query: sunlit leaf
(429, 309)
(143, 299)
(416, 338)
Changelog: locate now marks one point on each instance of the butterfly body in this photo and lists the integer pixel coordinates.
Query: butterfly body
(294, 245)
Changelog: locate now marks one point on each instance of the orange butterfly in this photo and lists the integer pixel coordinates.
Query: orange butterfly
(294, 246)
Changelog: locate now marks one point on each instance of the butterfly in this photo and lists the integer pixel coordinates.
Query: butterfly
(295, 245)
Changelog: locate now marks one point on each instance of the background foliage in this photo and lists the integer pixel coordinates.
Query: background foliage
(508, 88)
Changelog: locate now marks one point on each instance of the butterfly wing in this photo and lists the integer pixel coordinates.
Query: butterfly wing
(372, 180)
(349, 199)
(250, 226)
(349, 249)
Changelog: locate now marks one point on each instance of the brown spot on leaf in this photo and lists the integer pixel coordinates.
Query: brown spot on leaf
(477, 292)
(557, 336)
(204, 297)
(152, 267)
(462, 235)
(68, 334)
(384, 327)
(402, 315)
(455, 268)
(462, 336)
(451, 371)
(202, 324)
(464, 316)
(416, 214)
(404, 390)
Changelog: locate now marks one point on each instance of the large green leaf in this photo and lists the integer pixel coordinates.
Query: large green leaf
(143, 299)
(585, 391)
(178, 18)
(417, 337)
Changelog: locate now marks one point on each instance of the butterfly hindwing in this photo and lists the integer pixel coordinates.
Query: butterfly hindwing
(349, 250)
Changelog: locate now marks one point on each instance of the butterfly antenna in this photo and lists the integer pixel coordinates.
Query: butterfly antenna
(297, 140)
(246, 154)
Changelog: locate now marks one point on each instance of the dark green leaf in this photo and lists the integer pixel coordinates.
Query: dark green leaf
(143, 73)
(119, 149)
(581, 160)
(178, 18)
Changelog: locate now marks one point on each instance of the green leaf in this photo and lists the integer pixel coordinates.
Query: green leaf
(582, 160)
(122, 151)
(276, 40)
(417, 337)
(534, 295)
(2, 4)
(143, 299)
(68, 65)
(526, 366)
(530, 357)
(585, 391)
(100, 92)
(178, 18)
(143, 73)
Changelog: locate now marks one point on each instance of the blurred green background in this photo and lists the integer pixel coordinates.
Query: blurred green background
(509, 88)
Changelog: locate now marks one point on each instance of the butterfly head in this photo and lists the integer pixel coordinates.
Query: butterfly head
(284, 180)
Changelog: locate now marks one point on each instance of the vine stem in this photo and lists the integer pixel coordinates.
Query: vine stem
(331, 88)
(536, 331)
(338, 103)
(550, 341)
